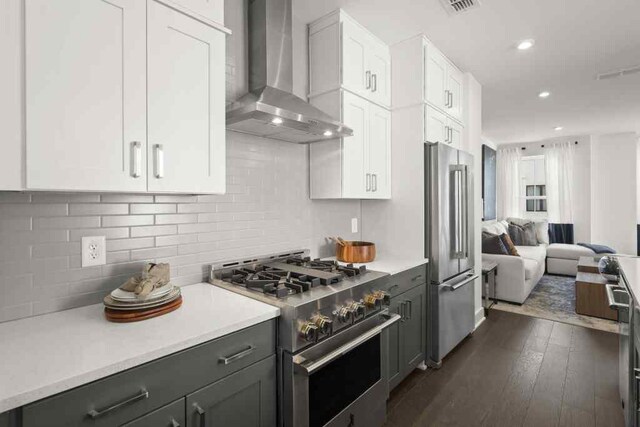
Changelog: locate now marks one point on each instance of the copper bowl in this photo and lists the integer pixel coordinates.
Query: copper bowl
(355, 252)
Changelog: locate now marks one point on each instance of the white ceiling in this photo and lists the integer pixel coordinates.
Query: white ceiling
(575, 40)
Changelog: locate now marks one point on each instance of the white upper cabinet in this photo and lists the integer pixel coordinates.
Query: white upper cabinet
(209, 9)
(441, 128)
(123, 96)
(344, 55)
(435, 78)
(422, 74)
(186, 84)
(356, 167)
(85, 95)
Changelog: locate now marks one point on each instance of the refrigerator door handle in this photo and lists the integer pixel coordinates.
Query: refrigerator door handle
(458, 198)
(464, 216)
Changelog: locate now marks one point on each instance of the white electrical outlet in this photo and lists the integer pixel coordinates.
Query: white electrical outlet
(354, 225)
(94, 251)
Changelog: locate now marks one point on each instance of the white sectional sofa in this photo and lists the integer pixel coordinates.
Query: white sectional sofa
(563, 259)
(517, 275)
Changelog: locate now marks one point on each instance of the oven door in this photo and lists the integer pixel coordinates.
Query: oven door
(342, 380)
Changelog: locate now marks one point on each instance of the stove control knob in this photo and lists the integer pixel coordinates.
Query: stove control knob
(345, 314)
(372, 300)
(358, 309)
(309, 332)
(324, 324)
(383, 296)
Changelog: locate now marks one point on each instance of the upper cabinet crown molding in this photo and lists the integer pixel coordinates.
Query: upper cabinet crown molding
(440, 82)
(345, 55)
(118, 96)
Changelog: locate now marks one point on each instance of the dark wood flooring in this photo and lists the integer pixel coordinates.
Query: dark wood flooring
(517, 371)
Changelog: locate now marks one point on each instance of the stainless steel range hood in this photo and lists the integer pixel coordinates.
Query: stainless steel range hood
(270, 109)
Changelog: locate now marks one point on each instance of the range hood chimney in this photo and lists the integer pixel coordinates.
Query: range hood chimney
(270, 109)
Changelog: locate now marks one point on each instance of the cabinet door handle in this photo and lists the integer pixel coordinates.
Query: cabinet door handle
(159, 160)
(233, 358)
(367, 79)
(143, 394)
(374, 79)
(374, 186)
(368, 182)
(450, 99)
(136, 159)
(401, 311)
(450, 135)
(446, 134)
(408, 302)
(201, 415)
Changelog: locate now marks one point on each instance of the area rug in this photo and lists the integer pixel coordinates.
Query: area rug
(554, 298)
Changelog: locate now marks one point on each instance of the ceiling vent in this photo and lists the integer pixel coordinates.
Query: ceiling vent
(459, 6)
(618, 73)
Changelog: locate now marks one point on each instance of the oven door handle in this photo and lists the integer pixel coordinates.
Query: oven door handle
(310, 366)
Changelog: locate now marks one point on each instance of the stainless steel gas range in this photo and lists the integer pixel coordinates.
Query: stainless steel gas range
(332, 335)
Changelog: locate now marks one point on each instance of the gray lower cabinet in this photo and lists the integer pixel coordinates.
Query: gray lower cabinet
(244, 399)
(158, 393)
(407, 338)
(171, 415)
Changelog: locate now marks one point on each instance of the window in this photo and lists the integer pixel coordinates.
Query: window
(533, 186)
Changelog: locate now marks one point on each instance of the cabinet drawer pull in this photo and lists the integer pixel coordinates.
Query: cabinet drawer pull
(393, 287)
(159, 160)
(237, 356)
(368, 79)
(201, 415)
(136, 160)
(419, 276)
(144, 394)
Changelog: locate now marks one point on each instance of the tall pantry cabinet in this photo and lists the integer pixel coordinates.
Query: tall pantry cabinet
(350, 78)
(125, 96)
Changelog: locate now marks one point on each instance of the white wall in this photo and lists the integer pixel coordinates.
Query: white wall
(474, 141)
(613, 191)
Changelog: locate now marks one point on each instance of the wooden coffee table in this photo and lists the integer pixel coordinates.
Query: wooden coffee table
(591, 296)
(589, 264)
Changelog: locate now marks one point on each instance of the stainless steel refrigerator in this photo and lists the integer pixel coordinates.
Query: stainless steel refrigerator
(449, 247)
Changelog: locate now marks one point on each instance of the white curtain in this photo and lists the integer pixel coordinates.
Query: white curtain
(559, 159)
(508, 183)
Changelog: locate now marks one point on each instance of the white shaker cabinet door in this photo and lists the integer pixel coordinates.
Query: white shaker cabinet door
(436, 78)
(455, 85)
(456, 132)
(379, 153)
(85, 95)
(356, 74)
(186, 103)
(354, 148)
(380, 65)
(436, 126)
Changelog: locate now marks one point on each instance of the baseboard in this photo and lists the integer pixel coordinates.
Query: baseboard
(479, 317)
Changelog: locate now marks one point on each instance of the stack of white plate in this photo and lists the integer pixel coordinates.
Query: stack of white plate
(123, 300)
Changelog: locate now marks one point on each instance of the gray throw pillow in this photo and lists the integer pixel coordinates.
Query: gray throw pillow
(523, 235)
(493, 245)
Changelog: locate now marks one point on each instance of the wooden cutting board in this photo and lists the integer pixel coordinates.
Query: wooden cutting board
(120, 316)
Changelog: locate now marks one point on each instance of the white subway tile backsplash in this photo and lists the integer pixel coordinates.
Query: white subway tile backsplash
(176, 219)
(153, 230)
(139, 209)
(67, 222)
(263, 212)
(109, 233)
(126, 220)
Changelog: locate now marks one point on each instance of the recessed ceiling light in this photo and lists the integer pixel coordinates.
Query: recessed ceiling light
(544, 94)
(526, 44)
(277, 121)
(558, 128)
(328, 133)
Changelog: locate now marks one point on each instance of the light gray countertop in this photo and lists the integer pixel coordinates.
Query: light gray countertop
(391, 265)
(631, 271)
(44, 355)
